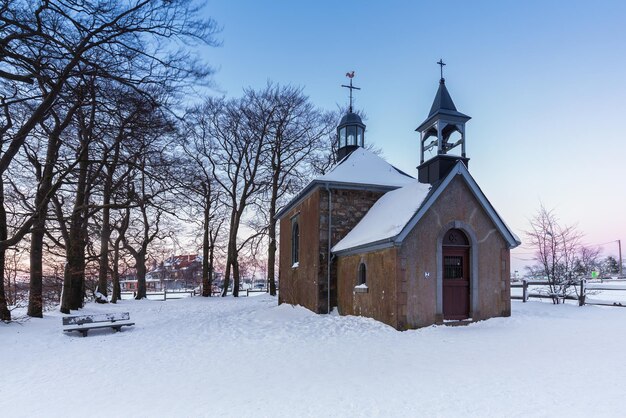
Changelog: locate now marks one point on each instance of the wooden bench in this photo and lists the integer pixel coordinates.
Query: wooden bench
(83, 323)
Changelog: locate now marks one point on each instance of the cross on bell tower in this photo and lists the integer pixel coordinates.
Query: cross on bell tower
(443, 130)
(351, 129)
(441, 64)
(350, 75)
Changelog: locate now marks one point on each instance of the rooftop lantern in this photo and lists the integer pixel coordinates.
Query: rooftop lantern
(351, 129)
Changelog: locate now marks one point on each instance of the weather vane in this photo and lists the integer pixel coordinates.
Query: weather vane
(350, 75)
(441, 64)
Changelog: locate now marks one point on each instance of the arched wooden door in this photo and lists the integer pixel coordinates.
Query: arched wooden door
(456, 277)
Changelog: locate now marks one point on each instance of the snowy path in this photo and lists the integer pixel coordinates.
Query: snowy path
(248, 357)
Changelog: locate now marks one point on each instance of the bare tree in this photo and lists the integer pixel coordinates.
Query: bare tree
(145, 227)
(238, 130)
(149, 192)
(556, 251)
(202, 190)
(129, 116)
(295, 143)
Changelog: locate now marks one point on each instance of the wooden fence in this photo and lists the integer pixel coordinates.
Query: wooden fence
(582, 289)
(242, 292)
(176, 294)
(171, 294)
(600, 286)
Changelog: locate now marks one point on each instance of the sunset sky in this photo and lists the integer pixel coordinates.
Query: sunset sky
(544, 83)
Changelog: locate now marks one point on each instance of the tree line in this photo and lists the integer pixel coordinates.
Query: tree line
(102, 158)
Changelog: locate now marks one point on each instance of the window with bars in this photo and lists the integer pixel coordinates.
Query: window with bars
(453, 267)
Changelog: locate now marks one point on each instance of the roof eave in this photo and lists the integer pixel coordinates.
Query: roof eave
(368, 247)
(450, 115)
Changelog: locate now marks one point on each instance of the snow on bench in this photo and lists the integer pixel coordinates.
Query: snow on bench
(83, 323)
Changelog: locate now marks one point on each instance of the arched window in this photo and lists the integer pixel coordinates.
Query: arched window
(362, 279)
(295, 243)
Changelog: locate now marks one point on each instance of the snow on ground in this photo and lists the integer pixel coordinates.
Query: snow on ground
(248, 357)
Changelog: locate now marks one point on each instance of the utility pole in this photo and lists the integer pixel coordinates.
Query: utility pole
(619, 244)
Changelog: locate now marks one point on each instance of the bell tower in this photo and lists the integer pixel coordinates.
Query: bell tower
(443, 131)
(351, 129)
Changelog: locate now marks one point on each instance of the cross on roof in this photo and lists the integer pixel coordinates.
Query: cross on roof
(441, 64)
(350, 75)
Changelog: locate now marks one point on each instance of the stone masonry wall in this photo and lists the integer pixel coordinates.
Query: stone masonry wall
(348, 208)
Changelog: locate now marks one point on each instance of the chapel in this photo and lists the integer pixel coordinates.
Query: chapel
(368, 239)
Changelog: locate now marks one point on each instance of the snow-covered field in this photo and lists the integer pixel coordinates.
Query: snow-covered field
(248, 357)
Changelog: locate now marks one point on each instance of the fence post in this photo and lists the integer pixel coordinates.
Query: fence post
(524, 290)
(581, 297)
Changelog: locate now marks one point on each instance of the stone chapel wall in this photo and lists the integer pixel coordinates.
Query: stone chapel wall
(418, 255)
(348, 208)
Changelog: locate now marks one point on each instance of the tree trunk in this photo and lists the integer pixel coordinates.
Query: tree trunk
(119, 241)
(271, 257)
(35, 302)
(227, 274)
(105, 236)
(42, 198)
(231, 258)
(117, 291)
(75, 273)
(211, 258)
(271, 250)
(76, 242)
(236, 280)
(5, 313)
(105, 232)
(140, 267)
(206, 279)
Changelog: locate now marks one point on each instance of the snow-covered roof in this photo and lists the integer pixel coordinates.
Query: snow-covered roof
(387, 217)
(395, 214)
(360, 169)
(364, 167)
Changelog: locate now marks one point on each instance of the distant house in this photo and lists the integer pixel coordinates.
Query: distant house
(128, 283)
(175, 273)
(370, 240)
(178, 272)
